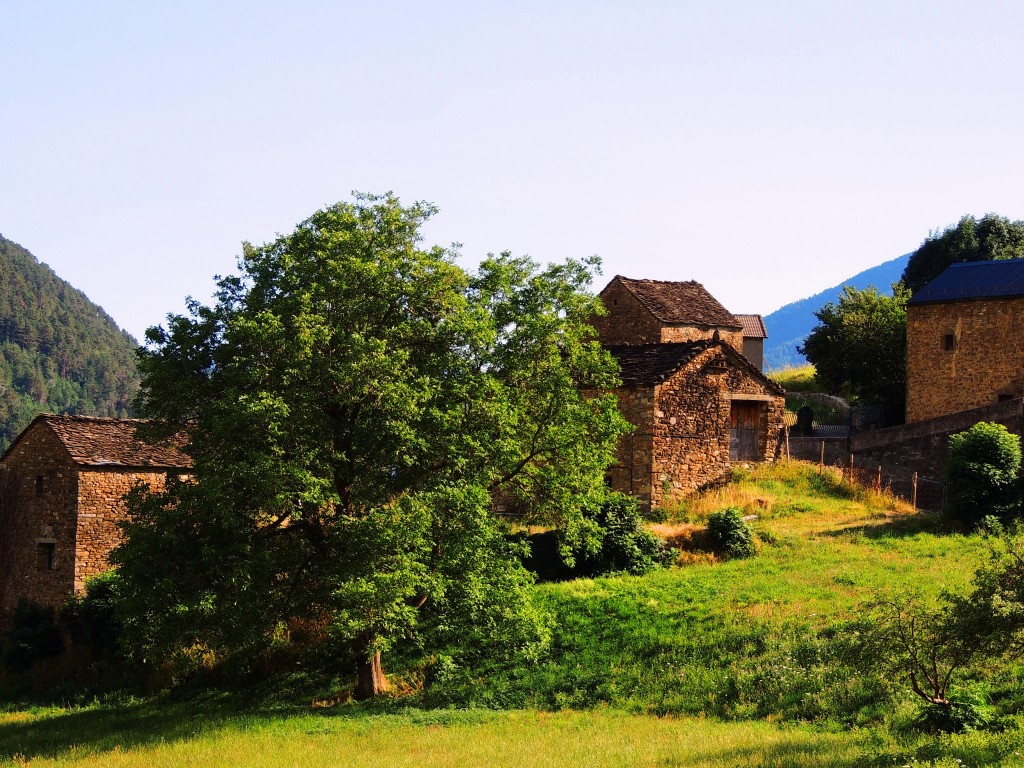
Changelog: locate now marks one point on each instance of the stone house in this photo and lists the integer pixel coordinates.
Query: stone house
(658, 311)
(64, 479)
(965, 346)
(697, 407)
(696, 401)
(754, 334)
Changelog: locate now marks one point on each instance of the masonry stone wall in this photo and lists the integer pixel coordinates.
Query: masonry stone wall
(46, 483)
(922, 446)
(676, 333)
(983, 364)
(101, 506)
(632, 471)
(627, 320)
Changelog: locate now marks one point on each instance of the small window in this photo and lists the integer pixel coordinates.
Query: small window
(44, 555)
(1004, 396)
(39, 485)
(948, 342)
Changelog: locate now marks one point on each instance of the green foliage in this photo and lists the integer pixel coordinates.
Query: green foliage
(993, 237)
(614, 541)
(59, 352)
(981, 472)
(90, 619)
(33, 637)
(623, 543)
(731, 533)
(859, 347)
(353, 401)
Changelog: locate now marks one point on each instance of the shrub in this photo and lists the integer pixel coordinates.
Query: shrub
(33, 636)
(625, 545)
(982, 472)
(730, 533)
(90, 619)
(611, 540)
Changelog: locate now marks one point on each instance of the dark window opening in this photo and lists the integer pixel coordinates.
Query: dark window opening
(44, 555)
(1004, 396)
(948, 342)
(39, 485)
(608, 481)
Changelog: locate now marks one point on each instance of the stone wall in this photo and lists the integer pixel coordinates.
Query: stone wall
(921, 446)
(983, 364)
(632, 471)
(627, 321)
(46, 482)
(671, 332)
(101, 506)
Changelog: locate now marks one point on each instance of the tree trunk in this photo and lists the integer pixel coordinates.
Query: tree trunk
(370, 679)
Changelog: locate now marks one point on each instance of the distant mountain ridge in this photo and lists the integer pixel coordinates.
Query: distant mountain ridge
(59, 352)
(788, 326)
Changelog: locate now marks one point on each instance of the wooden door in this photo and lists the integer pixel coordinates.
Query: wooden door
(743, 442)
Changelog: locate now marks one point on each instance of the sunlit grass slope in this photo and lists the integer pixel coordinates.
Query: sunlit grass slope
(713, 663)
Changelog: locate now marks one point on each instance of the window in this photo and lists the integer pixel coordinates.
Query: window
(44, 555)
(39, 485)
(948, 343)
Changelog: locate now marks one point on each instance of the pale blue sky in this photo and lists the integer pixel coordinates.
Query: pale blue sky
(767, 149)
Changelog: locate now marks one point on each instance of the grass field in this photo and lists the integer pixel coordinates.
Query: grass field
(706, 664)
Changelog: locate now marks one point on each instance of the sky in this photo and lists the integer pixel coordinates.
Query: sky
(766, 149)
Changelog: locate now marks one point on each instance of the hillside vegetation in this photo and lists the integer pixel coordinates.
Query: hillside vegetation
(711, 663)
(788, 326)
(59, 352)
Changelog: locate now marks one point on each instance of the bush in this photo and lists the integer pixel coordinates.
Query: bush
(611, 540)
(730, 533)
(624, 544)
(90, 619)
(982, 472)
(33, 636)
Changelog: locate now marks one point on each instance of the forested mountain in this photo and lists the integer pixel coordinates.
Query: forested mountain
(59, 352)
(789, 325)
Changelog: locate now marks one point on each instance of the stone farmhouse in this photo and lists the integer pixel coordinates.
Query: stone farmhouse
(696, 402)
(65, 477)
(965, 346)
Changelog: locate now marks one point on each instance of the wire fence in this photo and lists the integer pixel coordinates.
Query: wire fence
(924, 493)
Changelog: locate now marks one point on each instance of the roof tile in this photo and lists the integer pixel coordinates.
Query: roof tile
(95, 441)
(680, 302)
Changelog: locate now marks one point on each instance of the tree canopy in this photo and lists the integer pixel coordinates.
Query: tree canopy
(59, 352)
(992, 237)
(859, 346)
(354, 403)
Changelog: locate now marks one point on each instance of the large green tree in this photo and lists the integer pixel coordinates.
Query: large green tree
(354, 402)
(991, 237)
(859, 346)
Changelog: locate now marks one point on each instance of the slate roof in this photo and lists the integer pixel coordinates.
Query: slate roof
(100, 442)
(974, 280)
(753, 326)
(653, 363)
(650, 364)
(679, 302)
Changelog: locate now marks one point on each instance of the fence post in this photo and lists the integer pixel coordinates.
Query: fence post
(821, 461)
(913, 491)
(787, 443)
(878, 480)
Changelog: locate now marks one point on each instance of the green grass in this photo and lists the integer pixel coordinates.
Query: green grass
(716, 663)
(796, 379)
(460, 738)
